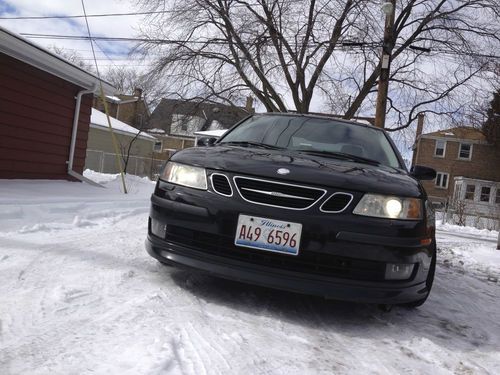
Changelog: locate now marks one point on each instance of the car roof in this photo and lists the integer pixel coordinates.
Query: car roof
(318, 116)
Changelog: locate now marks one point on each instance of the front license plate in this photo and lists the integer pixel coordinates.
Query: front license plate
(268, 234)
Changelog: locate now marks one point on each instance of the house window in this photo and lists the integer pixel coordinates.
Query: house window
(465, 151)
(440, 149)
(497, 199)
(183, 124)
(442, 180)
(469, 192)
(158, 146)
(139, 121)
(485, 194)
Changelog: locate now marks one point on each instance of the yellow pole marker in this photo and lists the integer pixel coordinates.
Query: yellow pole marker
(105, 104)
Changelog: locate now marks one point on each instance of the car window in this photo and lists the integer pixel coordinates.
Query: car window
(316, 134)
(254, 130)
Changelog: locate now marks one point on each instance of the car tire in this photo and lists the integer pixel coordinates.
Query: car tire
(166, 264)
(429, 282)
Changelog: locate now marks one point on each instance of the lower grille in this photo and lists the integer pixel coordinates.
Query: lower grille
(305, 262)
(278, 194)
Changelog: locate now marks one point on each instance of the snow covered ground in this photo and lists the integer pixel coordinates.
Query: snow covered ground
(79, 295)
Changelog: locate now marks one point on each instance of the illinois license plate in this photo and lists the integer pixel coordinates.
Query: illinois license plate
(268, 234)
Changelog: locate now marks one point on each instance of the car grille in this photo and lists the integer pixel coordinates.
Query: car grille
(338, 202)
(221, 185)
(306, 262)
(277, 194)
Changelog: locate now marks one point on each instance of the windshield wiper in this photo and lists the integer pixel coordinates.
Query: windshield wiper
(251, 144)
(341, 155)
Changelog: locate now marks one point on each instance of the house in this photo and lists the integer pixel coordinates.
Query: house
(130, 109)
(468, 169)
(45, 105)
(180, 119)
(138, 152)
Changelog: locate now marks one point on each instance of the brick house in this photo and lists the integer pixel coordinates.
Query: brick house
(45, 105)
(130, 109)
(467, 166)
(180, 119)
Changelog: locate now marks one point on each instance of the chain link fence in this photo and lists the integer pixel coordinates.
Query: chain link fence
(105, 162)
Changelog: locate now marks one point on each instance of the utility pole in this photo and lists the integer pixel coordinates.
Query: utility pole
(389, 8)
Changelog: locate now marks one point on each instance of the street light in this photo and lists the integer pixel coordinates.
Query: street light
(389, 9)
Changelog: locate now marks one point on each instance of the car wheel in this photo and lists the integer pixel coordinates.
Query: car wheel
(429, 282)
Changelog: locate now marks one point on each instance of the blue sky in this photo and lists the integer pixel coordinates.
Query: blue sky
(108, 53)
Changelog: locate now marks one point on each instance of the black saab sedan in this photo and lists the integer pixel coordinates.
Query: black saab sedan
(302, 203)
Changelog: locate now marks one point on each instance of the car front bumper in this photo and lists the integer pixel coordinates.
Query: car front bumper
(334, 261)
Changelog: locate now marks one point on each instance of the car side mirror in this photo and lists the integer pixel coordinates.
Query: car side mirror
(206, 141)
(423, 173)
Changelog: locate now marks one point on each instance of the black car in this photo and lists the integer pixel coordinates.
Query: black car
(304, 203)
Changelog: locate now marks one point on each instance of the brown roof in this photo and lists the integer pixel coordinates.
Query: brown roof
(463, 132)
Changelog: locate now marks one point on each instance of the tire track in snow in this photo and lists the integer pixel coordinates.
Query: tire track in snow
(211, 346)
(209, 324)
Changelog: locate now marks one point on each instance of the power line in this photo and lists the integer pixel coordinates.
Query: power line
(88, 16)
(346, 44)
(119, 39)
(167, 41)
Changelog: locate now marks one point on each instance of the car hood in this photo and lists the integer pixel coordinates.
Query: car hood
(304, 169)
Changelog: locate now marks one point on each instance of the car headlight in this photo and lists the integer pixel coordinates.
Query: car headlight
(186, 175)
(389, 207)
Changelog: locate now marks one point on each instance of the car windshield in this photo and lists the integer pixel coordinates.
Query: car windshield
(327, 137)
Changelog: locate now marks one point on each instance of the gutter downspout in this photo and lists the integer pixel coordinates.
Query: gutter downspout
(76, 118)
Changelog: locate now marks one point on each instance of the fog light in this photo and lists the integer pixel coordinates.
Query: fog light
(158, 228)
(398, 271)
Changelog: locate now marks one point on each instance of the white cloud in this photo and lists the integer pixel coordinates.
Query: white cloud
(123, 26)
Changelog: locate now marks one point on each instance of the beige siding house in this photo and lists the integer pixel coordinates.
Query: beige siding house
(140, 148)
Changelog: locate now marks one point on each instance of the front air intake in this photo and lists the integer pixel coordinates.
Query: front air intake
(221, 185)
(337, 203)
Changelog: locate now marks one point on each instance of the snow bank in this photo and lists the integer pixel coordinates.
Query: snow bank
(469, 250)
(45, 206)
(484, 233)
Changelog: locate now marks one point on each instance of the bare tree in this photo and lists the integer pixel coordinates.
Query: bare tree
(491, 126)
(286, 52)
(73, 57)
(127, 79)
(460, 216)
(126, 147)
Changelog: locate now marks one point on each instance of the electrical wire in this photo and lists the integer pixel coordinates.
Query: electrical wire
(86, 16)
(119, 39)
(346, 45)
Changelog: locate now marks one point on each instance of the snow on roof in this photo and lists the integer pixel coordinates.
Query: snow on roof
(156, 130)
(460, 132)
(98, 118)
(113, 98)
(211, 133)
(363, 121)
